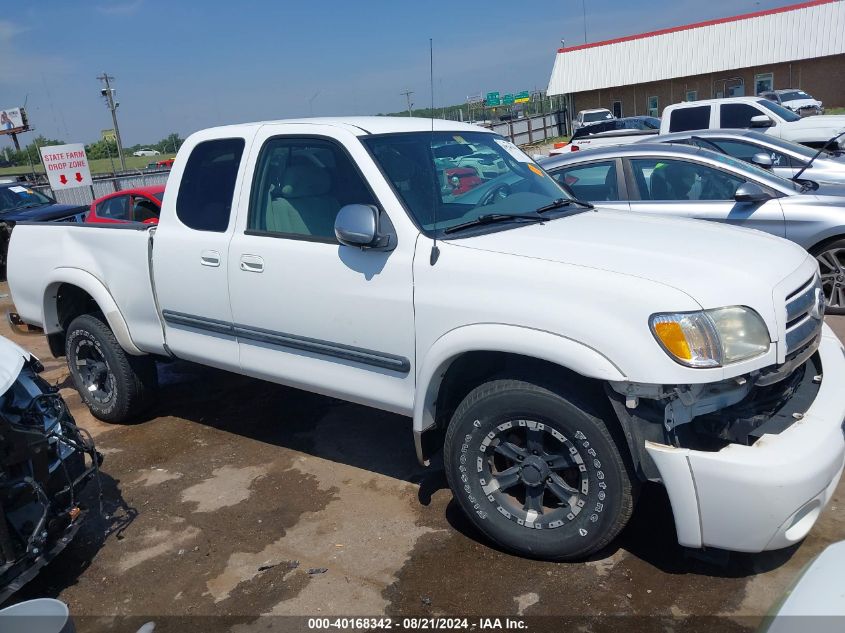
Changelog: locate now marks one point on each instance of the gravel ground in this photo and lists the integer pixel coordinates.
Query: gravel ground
(236, 498)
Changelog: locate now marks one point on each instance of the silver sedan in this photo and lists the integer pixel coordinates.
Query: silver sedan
(680, 180)
(784, 158)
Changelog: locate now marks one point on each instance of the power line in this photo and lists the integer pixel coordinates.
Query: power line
(108, 92)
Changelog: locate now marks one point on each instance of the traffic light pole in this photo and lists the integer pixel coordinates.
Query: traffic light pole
(113, 108)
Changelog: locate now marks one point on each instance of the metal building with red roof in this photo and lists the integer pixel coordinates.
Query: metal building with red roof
(796, 46)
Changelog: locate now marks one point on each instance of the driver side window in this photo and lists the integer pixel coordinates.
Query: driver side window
(300, 185)
(670, 180)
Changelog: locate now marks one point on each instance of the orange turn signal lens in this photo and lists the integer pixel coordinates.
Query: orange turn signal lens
(673, 339)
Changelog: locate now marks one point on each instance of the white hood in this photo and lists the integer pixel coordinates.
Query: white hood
(716, 265)
(12, 358)
(797, 104)
(833, 122)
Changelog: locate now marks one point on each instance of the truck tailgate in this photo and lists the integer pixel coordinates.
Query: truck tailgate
(44, 255)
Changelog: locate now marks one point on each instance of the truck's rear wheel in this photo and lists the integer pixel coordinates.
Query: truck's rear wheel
(537, 473)
(113, 384)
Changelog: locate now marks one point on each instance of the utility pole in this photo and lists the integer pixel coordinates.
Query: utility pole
(408, 94)
(108, 93)
(584, 13)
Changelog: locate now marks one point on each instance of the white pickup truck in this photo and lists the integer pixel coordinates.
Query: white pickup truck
(557, 354)
(755, 113)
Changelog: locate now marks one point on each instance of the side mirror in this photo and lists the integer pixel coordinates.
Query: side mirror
(762, 159)
(751, 192)
(358, 225)
(761, 120)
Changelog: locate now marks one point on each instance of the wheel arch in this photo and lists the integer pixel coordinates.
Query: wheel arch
(466, 356)
(71, 292)
(834, 235)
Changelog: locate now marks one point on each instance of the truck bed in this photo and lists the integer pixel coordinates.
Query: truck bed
(114, 257)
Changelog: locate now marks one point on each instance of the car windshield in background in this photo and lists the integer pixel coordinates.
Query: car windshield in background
(793, 148)
(794, 96)
(760, 173)
(590, 117)
(613, 125)
(17, 197)
(783, 113)
(639, 123)
(432, 171)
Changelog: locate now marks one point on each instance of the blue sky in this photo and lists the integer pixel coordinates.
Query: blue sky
(181, 66)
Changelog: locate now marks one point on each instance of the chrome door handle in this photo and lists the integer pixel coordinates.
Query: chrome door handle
(210, 258)
(252, 264)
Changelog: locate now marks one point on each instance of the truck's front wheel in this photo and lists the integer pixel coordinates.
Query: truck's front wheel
(113, 384)
(537, 472)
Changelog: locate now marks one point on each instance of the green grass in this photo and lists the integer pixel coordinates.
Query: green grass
(99, 166)
(835, 111)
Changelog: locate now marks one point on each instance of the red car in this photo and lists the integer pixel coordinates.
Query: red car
(142, 204)
(462, 179)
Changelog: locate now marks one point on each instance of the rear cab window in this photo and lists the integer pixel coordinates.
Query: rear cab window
(691, 118)
(204, 202)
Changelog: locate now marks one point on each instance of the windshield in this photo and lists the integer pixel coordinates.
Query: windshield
(18, 197)
(640, 123)
(497, 177)
(793, 148)
(794, 95)
(589, 117)
(783, 113)
(761, 174)
(159, 195)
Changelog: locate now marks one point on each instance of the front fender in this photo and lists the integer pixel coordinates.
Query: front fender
(94, 287)
(499, 337)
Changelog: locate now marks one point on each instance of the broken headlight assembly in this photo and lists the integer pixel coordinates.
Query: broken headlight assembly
(711, 338)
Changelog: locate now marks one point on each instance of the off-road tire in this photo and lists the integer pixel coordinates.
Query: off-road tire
(130, 379)
(603, 478)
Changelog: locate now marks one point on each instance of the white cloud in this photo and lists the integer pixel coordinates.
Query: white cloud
(20, 66)
(8, 30)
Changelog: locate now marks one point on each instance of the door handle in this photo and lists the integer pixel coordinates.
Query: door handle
(252, 264)
(210, 258)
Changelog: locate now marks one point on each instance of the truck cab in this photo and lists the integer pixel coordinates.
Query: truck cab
(757, 113)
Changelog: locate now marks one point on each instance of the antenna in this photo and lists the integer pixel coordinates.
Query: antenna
(435, 252)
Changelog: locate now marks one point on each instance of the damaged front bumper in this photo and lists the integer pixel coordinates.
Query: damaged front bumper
(750, 480)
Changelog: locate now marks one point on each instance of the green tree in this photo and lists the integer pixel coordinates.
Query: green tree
(31, 152)
(101, 149)
(169, 144)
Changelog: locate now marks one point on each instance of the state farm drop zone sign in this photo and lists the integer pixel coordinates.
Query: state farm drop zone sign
(66, 165)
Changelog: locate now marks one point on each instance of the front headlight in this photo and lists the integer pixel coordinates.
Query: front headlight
(711, 338)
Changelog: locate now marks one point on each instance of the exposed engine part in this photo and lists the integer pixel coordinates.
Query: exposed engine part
(709, 417)
(45, 461)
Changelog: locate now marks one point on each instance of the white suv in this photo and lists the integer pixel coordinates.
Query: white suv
(588, 117)
(752, 113)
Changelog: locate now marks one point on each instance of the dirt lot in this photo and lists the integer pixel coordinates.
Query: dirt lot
(240, 498)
